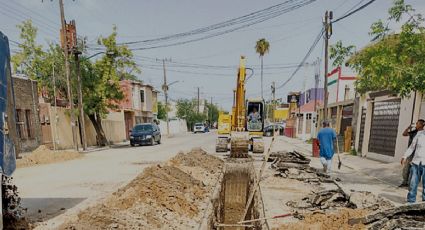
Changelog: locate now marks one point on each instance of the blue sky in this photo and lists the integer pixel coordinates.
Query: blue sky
(290, 37)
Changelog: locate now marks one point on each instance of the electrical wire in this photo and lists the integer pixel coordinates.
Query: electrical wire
(316, 41)
(237, 23)
(353, 11)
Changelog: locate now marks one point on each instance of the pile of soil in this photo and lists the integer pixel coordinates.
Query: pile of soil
(169, 196)
(43, 155)
(329, 221)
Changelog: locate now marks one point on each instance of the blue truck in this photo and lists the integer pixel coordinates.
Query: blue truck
(10, 201)
(7, 111)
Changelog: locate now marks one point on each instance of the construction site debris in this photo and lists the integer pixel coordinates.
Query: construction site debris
(43, 155)
(293, 165)
(330, 221)
(411, 216)
(337, 198)
(290, 157)
(169, 196)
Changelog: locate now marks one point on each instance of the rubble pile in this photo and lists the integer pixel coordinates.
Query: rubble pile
(337, 198)
(169, 196)
(410, 216)
(322, 200)
(293, 165)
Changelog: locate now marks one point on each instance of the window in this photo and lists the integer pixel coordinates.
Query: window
(28, 122)
(142, 96)
(20, 124)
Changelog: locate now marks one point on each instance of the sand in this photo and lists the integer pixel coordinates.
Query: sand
(328, 221)
(168, 196)
(43, 155)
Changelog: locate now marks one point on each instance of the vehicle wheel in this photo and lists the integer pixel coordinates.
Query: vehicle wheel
(152, 142)
(132, 144)
(159, 140)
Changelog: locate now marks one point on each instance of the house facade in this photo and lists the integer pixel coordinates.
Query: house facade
(27, 113)
(381, 118)
(138, 105)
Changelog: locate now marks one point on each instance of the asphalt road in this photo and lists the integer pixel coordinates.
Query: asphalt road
(57, 191)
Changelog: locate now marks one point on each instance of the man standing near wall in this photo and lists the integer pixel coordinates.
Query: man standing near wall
(411, 133)
(326, 137)
(417, 166)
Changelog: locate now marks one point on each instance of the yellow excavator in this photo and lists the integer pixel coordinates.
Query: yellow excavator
(247, 121)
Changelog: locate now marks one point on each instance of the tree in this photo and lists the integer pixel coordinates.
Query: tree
(213, 112)
(162, 111)
(262, 47)
(187, 109)
(101, 88)
(339, 53)
(396, 61)
(29, 59)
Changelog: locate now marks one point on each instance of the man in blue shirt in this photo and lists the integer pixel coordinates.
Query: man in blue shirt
(326, 137)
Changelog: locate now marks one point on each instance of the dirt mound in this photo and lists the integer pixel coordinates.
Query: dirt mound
(43, 155)
(169, 196)
(328, 221)
(198, 158)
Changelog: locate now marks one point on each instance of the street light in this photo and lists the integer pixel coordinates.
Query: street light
(103, 52)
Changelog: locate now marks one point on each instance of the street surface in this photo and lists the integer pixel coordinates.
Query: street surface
(55, 193)
(50, 190)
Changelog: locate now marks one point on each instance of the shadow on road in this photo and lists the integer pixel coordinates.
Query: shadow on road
(42, 209)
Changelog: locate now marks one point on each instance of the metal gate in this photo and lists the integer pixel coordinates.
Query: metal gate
(384, 128)
(362, 123)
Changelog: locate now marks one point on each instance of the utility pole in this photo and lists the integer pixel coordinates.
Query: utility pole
(273, 100)
(67, 74)
(316, 82)
(198, 102)
(80, 99)
(165, 89)
(56, 112)
(328, 33)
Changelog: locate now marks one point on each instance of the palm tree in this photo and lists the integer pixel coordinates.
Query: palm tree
(262, 47)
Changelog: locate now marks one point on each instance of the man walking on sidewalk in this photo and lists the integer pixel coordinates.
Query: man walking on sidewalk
(417, 167)
(411, 133)
(326, 137)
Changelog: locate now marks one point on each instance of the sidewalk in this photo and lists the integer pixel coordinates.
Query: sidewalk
(361, 174)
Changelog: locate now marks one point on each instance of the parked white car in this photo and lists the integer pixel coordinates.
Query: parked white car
(199, 128)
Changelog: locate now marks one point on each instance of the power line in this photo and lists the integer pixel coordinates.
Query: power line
(18, 18)
(237, 23)
(316, 40)
(47, 20)
(354, 11)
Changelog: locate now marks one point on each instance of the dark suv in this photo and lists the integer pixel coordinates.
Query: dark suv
(146, 133)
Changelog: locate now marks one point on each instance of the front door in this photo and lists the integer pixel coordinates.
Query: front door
(128, 118)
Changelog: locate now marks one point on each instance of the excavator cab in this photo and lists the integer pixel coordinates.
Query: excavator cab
(255, 116)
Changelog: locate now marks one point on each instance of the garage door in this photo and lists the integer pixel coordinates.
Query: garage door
(384, 128)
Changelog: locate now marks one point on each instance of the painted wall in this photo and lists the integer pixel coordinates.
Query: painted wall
(311, 95)
(176, 127)
(114, 126)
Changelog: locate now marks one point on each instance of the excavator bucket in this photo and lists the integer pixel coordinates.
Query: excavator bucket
(239, 145)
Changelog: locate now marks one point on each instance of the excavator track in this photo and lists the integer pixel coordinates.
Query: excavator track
(257, 145)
